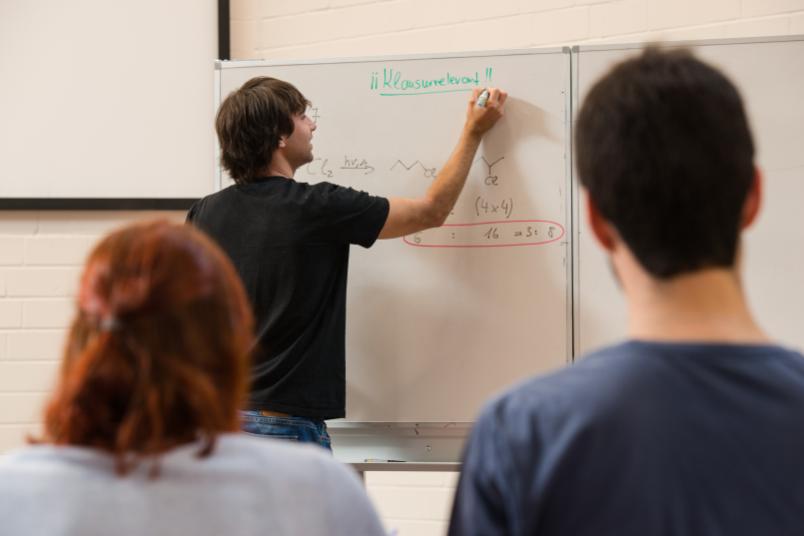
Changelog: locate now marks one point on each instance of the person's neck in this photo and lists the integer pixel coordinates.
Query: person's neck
(274, 172)
(703, 306)
(279, 167)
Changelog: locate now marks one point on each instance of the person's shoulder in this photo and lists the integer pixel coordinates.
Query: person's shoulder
(259, 446)
(719, 354)
(10, 460)
(770, 350)
(610, 378)
(589, 384)
(306, 193)
(580, 375)
(311, 472)
(211, 200)
(793, 356)
(291, 460)
(334, 198)
(29, 454)
(222, 193)
(336, 192)
(766, 359)
(46, 461)
(263, 187)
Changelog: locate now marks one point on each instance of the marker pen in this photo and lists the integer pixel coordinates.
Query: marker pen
(483, 98)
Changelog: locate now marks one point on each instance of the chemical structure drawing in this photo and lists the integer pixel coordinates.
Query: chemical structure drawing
(491, 179)
(428, 172)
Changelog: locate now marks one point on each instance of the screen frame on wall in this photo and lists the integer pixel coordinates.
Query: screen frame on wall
(124, 203)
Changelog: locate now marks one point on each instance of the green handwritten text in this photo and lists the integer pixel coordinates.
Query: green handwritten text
(394, 82)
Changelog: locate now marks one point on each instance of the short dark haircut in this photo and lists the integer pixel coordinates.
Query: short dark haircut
(665, 152)
(251, 121)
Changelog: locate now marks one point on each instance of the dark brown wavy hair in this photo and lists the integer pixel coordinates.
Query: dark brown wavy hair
(158, 352)
(250, 123)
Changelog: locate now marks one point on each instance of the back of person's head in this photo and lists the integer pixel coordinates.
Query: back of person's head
(251, 121)
(666, 155)
(158, 352)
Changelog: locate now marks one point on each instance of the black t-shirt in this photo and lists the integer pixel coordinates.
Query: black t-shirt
(290, 243)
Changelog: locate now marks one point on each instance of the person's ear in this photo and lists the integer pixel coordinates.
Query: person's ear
(601, 228)
(752, 201)
(282, 142)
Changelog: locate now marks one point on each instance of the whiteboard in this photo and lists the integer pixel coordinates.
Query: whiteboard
(107, 99)
(439, 321)
(770, 76)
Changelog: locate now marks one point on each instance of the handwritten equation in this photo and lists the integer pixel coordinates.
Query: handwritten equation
(497, 224)
(322, 168)
(484, 207)
(489, 234)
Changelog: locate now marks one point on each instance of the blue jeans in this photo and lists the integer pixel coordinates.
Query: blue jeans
(301, 429)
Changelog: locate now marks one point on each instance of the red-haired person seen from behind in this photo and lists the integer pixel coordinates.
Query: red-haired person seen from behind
(141, 432)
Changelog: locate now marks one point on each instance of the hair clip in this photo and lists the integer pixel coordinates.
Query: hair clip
(109, 323)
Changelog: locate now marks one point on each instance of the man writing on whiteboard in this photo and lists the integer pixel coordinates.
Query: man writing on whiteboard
(694, 425)
(290, 243)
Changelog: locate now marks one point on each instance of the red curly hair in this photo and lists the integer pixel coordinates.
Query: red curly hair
(158, 352)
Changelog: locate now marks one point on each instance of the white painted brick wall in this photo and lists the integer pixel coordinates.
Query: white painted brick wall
(417, 504)
(27, 377)
(413, 503)
(753, 8)
(678, 13)
(33, 344)
(12, 250)
(10, 314)
(618, 18)
(57, 250)
(21, 408)
(28, 281)
(797, 23)
(12, 435)
(321, 28)
(47, 313)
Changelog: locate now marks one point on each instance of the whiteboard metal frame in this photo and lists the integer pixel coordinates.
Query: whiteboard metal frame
(571, 206)
(576, 215)
(576, 49)
(234, 64)
(217, 98)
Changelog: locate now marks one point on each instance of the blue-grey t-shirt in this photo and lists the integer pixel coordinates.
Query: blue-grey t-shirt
(643, 439)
